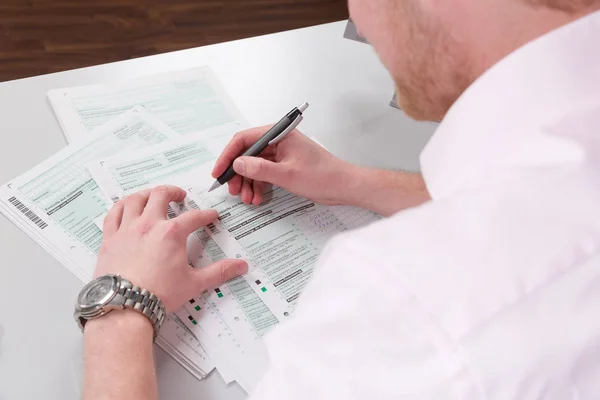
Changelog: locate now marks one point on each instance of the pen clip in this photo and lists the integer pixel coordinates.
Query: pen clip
(290, 128)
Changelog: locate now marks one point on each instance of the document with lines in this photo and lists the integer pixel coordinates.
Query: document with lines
(188, 101)
(164, 163)
(233, 316)
(204, 251)
(282, 238)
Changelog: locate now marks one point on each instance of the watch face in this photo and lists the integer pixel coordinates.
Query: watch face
(98, 292)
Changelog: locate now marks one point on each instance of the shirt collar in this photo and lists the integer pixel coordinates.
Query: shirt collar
(498, 121)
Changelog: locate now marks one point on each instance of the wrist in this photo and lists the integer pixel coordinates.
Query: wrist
(107, 296)
(118, 356)
(356, 185)
(342, 184)
(120, 323)
(383, 191)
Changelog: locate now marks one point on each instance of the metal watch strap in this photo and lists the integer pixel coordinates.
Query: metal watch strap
(144, 302)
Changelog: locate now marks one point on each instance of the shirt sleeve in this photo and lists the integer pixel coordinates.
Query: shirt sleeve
(358, 334)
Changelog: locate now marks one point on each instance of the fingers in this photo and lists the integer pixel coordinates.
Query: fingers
(250, 191)
(193, 220)
(247, 193)
(159, 200)
(240, 142)
(260, 169)
(258, 188)
(112, 221)
(218, 273)
(133, 206)
(235, 185)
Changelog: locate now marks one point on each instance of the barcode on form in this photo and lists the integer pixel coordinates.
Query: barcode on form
(213, 229)
(193, 204)
(27, 212)
(171, 213)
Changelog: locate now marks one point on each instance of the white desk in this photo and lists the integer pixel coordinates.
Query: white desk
(349, 92)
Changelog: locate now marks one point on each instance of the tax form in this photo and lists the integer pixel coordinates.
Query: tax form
(203, 252)
(188, 101)
(236, 311)
(282, 238)
(164, 163)
(181, 162)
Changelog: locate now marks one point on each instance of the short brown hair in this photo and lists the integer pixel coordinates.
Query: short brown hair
(571, 6)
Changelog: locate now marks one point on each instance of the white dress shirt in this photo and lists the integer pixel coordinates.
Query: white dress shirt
(491, 290)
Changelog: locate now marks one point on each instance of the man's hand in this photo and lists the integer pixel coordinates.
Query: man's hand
(296, 164)
(301, 166)
(143, 246)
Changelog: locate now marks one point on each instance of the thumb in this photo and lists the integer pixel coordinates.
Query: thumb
(218, 273)
(259, 169)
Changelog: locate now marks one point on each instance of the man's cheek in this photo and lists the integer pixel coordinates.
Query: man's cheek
(384, 26)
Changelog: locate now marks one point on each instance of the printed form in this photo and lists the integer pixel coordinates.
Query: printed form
(281, 238)
(188, 101)
(165, 163)
(183, 162)
(234, 306)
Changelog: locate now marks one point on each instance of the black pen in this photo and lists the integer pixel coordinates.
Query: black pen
(273, 135)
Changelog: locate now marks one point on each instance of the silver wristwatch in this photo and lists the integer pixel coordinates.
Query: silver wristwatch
(112, 292)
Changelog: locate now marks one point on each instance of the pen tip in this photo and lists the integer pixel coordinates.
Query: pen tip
(214, 186)
(303, 107)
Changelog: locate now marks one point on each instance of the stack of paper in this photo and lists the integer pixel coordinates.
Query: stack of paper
(168, 129)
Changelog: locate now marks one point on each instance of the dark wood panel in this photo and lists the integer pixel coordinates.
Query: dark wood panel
(43, 36)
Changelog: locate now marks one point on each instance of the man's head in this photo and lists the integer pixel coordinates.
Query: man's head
(435, 49)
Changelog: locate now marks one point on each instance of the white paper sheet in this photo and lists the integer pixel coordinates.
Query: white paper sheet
(171, 162)
(188, 101)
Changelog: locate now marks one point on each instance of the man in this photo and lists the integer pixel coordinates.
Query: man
(490, 290)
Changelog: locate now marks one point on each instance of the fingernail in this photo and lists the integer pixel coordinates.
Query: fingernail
(238, 166)
(242, 268)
